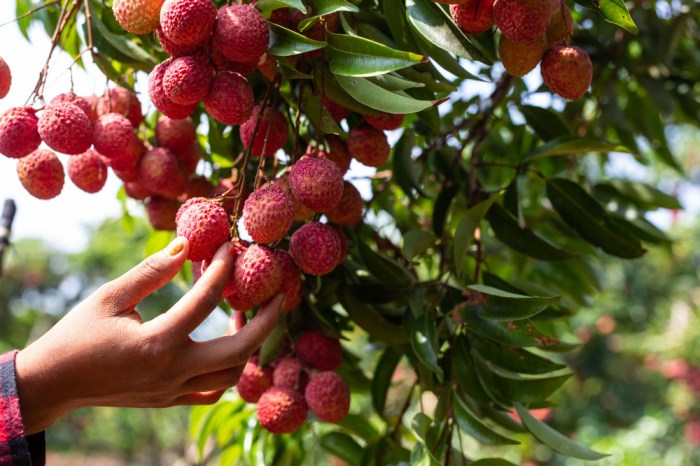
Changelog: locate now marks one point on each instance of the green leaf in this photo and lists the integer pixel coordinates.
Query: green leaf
(472, 426)
(572, 145)
(323, 8)
(424, 341)
(356, 56)
(333, 91)
(360, 426)
(384, 269)
(397, 21)
(513, 358)
(529, 390)
(378, 98)
(285, 42)
(516, 333)
(370, 320)
(547, 124)
(443, 58)
(157, 240)
(382, 378)
(272, 344)
(416, 242)
(464, 372)
(343, 446)
(404, 166)
(616, 12)
(642, 194)
(376, 293)
(393, 82)
(466, 228)
(442, 207)
(319, 115)
(554, 439)
(585, 215)
(503, 305)
(125, 46)
(268, 6)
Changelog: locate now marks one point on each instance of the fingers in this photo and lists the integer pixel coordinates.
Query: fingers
(219, 380)
(235, 322)
(152, 273)
(202, 398)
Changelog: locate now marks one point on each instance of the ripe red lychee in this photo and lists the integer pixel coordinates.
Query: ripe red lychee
(64, 127)
(19, 135)
(567, 71)
(5, 78)
(268, 214)
(342, 237)
(328, 397)
(160, 98)
(198, 186)
(80, 102)
(519, 58)
(272, 127)
(186, 81)
(368, 145)
(123, 101)
(240, 33)
(254, 381)
(157, 169)
(135, 190)
(87, 171)
(281, 410)
(301, 212)
(187, 22)
(177, 135)
(189, 159)
(114, 138)
(41, 174)
(315, 248)
(230, 99)
(561, 26)
(337, 111)
(473, 16)
(161, 212)
(291, 280)
(316, 182)
(257, 274)
(319, 351)
(137, 16)
(349, 210)
(338, 152)
(206, 226)
(385, 121)
(340, 157)
(267, 65)
(128, 160)
(175, 50)
(522, 20)
(289, 373)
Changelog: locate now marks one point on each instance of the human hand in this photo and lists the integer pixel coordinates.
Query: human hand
(102, 354)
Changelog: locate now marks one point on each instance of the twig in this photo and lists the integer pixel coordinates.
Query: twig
(404, 408)
(32, 11)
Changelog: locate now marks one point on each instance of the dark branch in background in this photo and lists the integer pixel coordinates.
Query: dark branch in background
(8, 215)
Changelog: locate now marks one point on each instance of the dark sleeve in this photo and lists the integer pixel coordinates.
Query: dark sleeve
(16, 449)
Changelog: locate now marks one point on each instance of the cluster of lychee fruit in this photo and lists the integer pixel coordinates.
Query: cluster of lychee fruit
(532, 32)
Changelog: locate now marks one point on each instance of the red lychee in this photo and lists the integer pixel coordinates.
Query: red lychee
(19, 135)
(177, 135)
(122, 101)
(189, 159)
(328, 397)
(267, 65)
(561, 27)
(315, 248)
(187, 22)
(522, 20)
(230, 99)
(41, 174)
(160, 98)
(281, 410)
(337, 152)
(385, 121)
(567, 71)
(64, 127)
(337, 111)
(519, 58)
(349, 210)
(80, 102)
(316, 182)
(206, 226)
(241, 33)
(289, 373)
(343, 243)
(135, 190)
(186, 81)
(272, 127)
(5, 78)
(137, 16)
(198, 186)
(161, 212)
(301, 212)
(87, 171)
(368, 145)
(292, 285)
(114, 138)
(319, 351)
(254, 381)
(175, 50)
(473, 16)
(157, 169)
(268, 214)
(257, 274)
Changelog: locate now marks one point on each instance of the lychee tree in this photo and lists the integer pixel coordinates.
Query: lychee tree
(433, 219)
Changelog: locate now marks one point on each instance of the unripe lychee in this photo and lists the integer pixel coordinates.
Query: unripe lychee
(368, 145)
(87, 171)
(473, 16)
(187, 22)
(338, 152)
(567, 71)
(19, 135)
(240, 33)
(230, 99)
(349, 210)
(257, 274)
(291, 280)
(186, 80)
(316, 182)
(301, 212)
(268, 214)
(337, 111)
(157, 169)
(137, 16)
(177, 135)
(161, 212)
(206, 226)
(64, 127)
(319, 351)
(122, 101)
(281, 410)
(254, 381)
(41, 174)
(561, 26)
(289, 373)
(315, 248)
(160, 98)
(328, 397)
(519, 58)
(385, 121)
(175, 50)
(5, 78)
(272, 127)
(78, 101)
(522, 20)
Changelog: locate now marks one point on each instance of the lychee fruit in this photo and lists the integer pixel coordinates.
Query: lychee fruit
(385, 121)
(65, 128)
(257, 274)
(292, 285)
(87, 171)
(5, 78)
(80, 102)
(175, 50)
(157, 169)
(337, 152)
(206, 226)
(19, 135)
(561, 26)
(198, 186)
(342, 237)
(522, 20)
(137, 16)
(135, 190)
(241, 33)
(473, 16)
(186, 80)
(315, 248)
(316, 182)
(272, 131)
(41, 174)
(160, 98)
(122, 101)
(254, 381)
(177, 135)
(368, 145)
(189, 159)
(337, 111)
(268, 214)
(281, 410)
(187, 22)
(349, 210)
(567, 71)
(230, 99)
(289, 373)
(114, 137)
(519, 58)
(301, 212)
(328, 397)
(267, 65)
(319, 351)
(161, 212)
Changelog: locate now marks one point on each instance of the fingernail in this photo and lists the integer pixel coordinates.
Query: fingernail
(176, 246)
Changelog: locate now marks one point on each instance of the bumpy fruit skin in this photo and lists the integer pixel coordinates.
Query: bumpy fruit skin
(161, 212)
(230, 99)
(175, 50)
(272, 126)
(87, 171)
(368, 145)
(187, 22)
(338, 152)
(5, 78)
(522, 20)
(268, 214)
(123, 101)
(519, 58)
(319, 351)
(473, 16)
(254, 381)
(186, 81)
(114, 138)
(240, 33)
(316, 182)
(19, 135)
(41, 174)
(137, 16)
(160, 98)
(328, 397)
(64, 127)
(157, 169)
(349, 210)
(342, 237)
(292, 285)
(301, 212)
(337, 111)
(135, 190)
(315, 248)
(289, 373)
(385, 121)
(78, 101)
(177, 135)
(567, 71)
(257, 274)
(206, 226)
(561, 26)
(281, 410)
